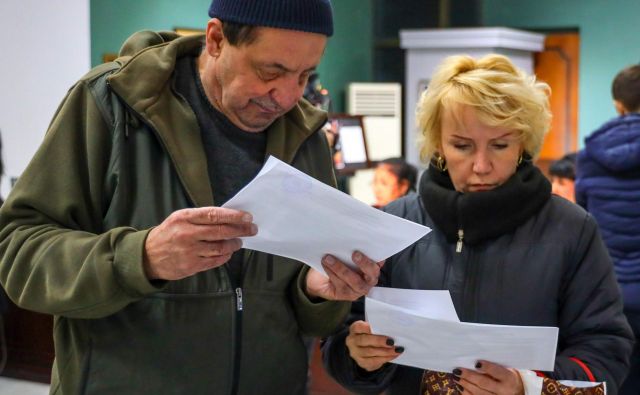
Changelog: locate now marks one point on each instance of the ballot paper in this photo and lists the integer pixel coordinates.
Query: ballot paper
(301, 218)
(437, 341)
(435, 304)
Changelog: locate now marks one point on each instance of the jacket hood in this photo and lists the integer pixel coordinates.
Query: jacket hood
(616, 145)
(144, 39)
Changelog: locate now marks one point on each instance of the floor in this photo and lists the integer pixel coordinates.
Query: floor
(10, 386)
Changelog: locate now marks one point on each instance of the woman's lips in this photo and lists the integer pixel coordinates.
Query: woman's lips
(481, 187)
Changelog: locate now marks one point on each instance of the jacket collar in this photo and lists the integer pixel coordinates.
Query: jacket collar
(145, 84)
(483, 215)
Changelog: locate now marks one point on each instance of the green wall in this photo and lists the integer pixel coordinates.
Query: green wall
(609, 41)
(112, 21)
(348, 56)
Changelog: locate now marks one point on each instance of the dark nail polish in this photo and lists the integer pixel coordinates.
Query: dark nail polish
(456, 378)
(399, 349)
(390, 341)
(457, 372)
(460, 388)
(478, 365)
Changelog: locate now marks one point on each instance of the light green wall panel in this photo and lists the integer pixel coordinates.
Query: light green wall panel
(348, 56)
(609, 41)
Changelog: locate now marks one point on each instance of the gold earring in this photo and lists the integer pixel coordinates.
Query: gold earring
(520, 160)
(441, 164)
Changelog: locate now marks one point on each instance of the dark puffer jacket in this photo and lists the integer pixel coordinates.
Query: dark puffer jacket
(608, 186)
(552, 270)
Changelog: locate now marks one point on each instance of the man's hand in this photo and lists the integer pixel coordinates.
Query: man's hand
(343, 282)
(193, 240)
(370, 351)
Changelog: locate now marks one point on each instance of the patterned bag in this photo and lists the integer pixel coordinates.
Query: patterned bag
(553, 387)
(439, 383)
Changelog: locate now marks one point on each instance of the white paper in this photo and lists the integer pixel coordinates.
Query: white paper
(435, 304)
(301, 218)
(444, 345)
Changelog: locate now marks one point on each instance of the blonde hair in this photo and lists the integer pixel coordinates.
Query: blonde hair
(502, 94)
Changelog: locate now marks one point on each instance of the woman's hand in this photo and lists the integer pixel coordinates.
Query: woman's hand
(370, 351)
(489, 378)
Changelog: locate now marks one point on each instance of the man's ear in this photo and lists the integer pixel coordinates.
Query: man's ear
(620, 108)
(215, 39)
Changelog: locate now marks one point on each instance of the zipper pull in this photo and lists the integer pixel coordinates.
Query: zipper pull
(460, 238)
(239, 299)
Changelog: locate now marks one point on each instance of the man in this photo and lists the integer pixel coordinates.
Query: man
(608, 186)
(115, 227)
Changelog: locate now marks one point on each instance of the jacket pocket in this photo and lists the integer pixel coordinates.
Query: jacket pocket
(181, 339)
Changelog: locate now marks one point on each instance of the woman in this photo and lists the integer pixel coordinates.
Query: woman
(508, 251)
(393, 178)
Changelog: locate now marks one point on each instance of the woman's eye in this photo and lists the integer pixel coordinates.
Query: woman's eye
(500, 146)
(461, 147)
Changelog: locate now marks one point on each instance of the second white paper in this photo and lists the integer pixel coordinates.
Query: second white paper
(444, 345)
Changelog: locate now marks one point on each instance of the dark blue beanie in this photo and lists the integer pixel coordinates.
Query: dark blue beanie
(314, 16)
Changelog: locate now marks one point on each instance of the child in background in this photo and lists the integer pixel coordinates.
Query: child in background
(562, 173)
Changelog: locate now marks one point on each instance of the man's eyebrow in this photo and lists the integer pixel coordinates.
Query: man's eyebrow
(283, 68)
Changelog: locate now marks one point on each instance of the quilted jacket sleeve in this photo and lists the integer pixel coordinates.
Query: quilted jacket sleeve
(595, 339)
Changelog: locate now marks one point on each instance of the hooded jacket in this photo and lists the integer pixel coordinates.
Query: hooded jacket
(122, 153)
(608, 186)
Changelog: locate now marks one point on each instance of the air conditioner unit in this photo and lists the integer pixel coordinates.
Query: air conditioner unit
(380, 104)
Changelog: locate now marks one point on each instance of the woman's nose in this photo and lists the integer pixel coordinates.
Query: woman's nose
(481, 163)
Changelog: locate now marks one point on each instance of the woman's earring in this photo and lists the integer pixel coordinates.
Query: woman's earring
(441, 164)
(520, 160)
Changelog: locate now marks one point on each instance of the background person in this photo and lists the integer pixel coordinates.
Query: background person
(563, 175)
(608, 186)
(114, 229)
(393, 178)
(500, 243)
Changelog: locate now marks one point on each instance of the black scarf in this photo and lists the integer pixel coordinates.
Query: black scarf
(487, 214)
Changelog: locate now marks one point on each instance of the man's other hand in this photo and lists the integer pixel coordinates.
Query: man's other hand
(343, 283)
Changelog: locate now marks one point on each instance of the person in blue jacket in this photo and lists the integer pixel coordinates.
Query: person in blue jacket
(608, 186)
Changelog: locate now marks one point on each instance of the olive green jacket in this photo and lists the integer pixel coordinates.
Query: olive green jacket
(123, 152)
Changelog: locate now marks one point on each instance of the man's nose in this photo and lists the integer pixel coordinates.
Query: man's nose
(288, 91)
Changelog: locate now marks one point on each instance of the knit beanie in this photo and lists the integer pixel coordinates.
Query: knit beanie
(313, 16)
